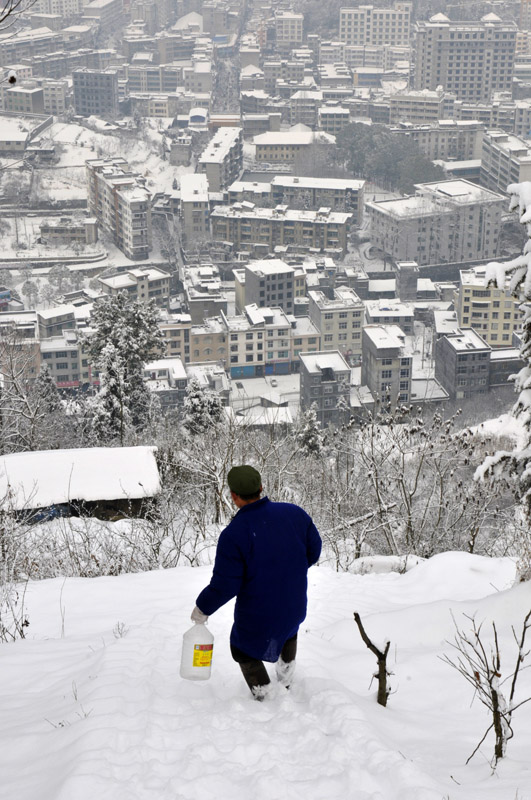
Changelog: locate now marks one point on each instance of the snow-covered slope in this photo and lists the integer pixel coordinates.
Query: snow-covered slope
(92, 705)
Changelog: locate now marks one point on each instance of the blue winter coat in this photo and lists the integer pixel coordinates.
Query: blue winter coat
(262, 559)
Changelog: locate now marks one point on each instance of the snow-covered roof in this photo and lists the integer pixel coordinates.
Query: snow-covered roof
(49, 477)
(315, 362)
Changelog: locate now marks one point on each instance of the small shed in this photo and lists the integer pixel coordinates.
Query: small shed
(105, 482)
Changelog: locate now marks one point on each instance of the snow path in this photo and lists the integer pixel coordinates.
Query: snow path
(87, 713)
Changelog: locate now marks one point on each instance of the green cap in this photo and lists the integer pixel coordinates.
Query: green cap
(244, 480)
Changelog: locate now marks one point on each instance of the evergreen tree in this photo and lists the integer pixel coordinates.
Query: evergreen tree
(125, 336)
(202, 408)
(309, 435)
(110, 413)
(46, 390)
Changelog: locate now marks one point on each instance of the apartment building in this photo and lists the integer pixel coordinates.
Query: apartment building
(142, 285)
(505, 159)
(24, 98)
(445, 221)
(470, 59)
(391, 312)
(203, 292)
(338, 194)
(387, 364)
(493, 313)
(339, 316)
(244, 225)
(325, 384)
(65, 8)
(106, 12)
(421, 107)
(70, 230)
(285, 146)
(269, 282)
(333, 118)
(121, 205)
(281, 70)
(383, 56)
(63, 357)
(304, 107)
(364, 25)
(26, 44)
(176, 331)
(446, 140)
(462, 364)
(55, 321)
(222, 159)
(56, 95)
(195, 209)
(96, 92)
(151, 77)
(288, 29)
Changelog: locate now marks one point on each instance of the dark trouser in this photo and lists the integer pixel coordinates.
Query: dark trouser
(253, 669)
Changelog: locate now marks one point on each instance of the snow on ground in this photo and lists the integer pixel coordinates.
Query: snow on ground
(141, 149)
(93, 705)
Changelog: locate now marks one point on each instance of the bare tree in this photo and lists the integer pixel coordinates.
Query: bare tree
(384, 690)
(11, 9)
(480, 665)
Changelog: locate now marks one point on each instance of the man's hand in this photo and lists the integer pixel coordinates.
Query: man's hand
(198, 616)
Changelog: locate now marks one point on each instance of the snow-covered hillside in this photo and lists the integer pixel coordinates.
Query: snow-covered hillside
(93, 705)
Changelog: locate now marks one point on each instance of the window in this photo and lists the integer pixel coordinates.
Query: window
(62, 365)
(387, 373)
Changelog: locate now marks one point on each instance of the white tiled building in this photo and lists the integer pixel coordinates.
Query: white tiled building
(376, 26)
(445, 221)
(340, 320)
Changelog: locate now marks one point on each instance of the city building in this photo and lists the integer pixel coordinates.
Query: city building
(269, 282)
(70, 230)
(340, 318)
(288, 29)
(335, 193)
(505, 159)
(470, 59)
(106, 12)
(445, 221)
(96, 92)
(62, 355)
(493, 313)
(203, 292)
(421, 107)
(286, 146)
(195, 209)
(367, 25)
(333, 118)
(23, 98)
(121, 205)
(390, 312)
(261, 230)
(387, 364)
(166, 379)
(141, 284)
(446, 140)
(176, 331)
(222, 160)
(462, 364)
(325, 384)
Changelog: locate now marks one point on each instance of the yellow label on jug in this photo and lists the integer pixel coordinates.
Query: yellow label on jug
(202, 655)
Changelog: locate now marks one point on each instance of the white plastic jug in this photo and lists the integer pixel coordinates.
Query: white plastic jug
(196, 656)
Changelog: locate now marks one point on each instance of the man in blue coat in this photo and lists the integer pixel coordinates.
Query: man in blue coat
(262, 559)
